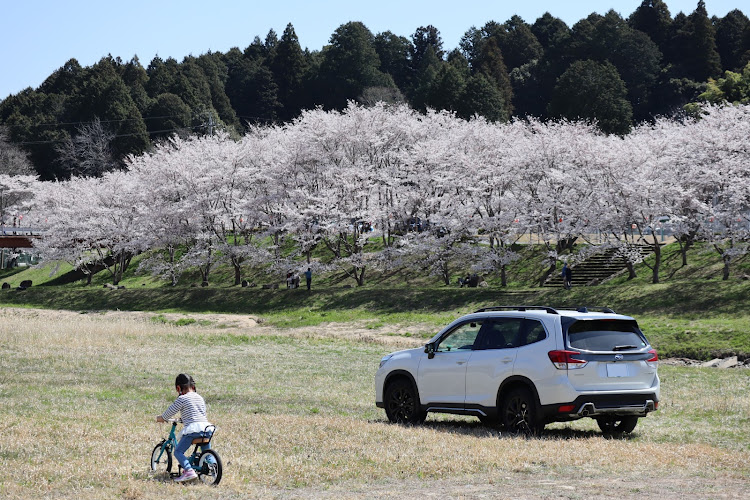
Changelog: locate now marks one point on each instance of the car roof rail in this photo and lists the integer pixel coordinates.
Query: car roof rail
(585, 309)
(550, 310)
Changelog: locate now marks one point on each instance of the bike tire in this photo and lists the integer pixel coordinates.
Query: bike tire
(158, 462)
(209, 468)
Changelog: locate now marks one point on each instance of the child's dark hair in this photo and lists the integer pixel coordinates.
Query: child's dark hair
(185, 382)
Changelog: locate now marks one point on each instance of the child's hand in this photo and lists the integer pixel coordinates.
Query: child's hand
(160, 419)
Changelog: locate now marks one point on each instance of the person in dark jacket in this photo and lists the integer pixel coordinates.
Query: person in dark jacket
(567, 276)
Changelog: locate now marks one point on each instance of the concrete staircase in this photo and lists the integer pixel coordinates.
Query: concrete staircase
(595, 269)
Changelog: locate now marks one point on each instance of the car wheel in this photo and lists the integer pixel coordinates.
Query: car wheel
(402, 403)
(518, 412)
(617, 425)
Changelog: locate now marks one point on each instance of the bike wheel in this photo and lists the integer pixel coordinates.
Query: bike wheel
(209, 468)
(161, 458)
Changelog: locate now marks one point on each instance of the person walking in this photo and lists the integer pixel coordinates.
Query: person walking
(308, 277)
(567, 276)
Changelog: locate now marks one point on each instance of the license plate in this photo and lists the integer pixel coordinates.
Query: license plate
(617, 370)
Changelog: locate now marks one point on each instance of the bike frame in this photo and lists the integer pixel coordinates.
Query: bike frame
(170, 443)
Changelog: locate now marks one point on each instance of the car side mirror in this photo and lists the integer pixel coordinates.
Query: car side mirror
(430, 350)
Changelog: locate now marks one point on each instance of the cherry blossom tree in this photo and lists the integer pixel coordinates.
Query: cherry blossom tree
(383, 187)
(13, 159)
(190, 188)
(721, 175)
(16, 197)
(91, 222)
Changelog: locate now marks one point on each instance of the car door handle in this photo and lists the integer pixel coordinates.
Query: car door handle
(506, 360)
(460, 362)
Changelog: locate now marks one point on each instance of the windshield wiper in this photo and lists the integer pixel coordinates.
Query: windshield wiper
(624, 347)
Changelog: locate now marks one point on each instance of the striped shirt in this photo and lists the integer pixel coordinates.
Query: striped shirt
(191, 406)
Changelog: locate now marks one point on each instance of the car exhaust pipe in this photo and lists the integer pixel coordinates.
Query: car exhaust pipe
(587, 409)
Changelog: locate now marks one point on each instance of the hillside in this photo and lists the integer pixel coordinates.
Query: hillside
(615, 70)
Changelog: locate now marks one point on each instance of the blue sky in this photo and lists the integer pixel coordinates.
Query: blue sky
(39, 36)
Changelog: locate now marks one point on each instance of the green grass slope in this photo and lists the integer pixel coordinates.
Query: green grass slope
(692, 313)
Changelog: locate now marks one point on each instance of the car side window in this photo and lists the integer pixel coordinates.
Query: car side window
(460, 338)
(533, 332)
(501, 333)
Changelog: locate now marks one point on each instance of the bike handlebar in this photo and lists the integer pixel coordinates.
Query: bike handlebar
(171, 420)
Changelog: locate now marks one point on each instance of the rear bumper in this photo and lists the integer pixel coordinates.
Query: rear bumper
(593, 405)
(591, 410)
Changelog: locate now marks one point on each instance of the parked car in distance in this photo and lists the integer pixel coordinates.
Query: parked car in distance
(522, 367)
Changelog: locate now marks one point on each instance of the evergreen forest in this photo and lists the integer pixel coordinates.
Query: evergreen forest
(616, 71)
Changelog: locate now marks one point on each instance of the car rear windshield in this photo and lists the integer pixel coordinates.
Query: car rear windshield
(605, 335)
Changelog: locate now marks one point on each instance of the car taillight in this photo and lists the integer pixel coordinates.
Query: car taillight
(654, 359)
(565, 360)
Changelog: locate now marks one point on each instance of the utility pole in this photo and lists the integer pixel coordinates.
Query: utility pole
(210, 124)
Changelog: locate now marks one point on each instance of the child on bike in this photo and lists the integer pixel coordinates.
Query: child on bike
(192, 410)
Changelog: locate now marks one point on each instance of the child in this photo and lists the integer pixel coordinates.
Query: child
(192, 410)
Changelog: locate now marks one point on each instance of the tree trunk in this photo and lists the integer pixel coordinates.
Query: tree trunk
(445, 273)
(548, 272)
(631, 271)
(725, 272)
(119, 263)
(204, 274)
(657, 261)
(122, 261)
(503, 276)
(360, 277)
(237, 273)
(565, 244)
(683, 250)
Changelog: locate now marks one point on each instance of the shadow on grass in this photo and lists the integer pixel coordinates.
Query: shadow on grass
(479, 430)
(704, 299)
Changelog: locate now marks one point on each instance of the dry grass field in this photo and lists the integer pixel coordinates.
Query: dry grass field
(296, 419)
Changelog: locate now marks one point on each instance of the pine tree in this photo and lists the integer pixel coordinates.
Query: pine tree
(692, 45)
(518, 43)
(733, 39)
(483, 98)
(350, 64)
(493, 66)
(653, 18)
(594, 91)
(704, 60)
(289, 66)
(395, 57)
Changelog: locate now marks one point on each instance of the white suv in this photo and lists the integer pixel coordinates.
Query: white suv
(524, 367)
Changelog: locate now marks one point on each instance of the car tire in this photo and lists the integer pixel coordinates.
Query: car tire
(402, 403)
(617, 425)
(518, 412)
